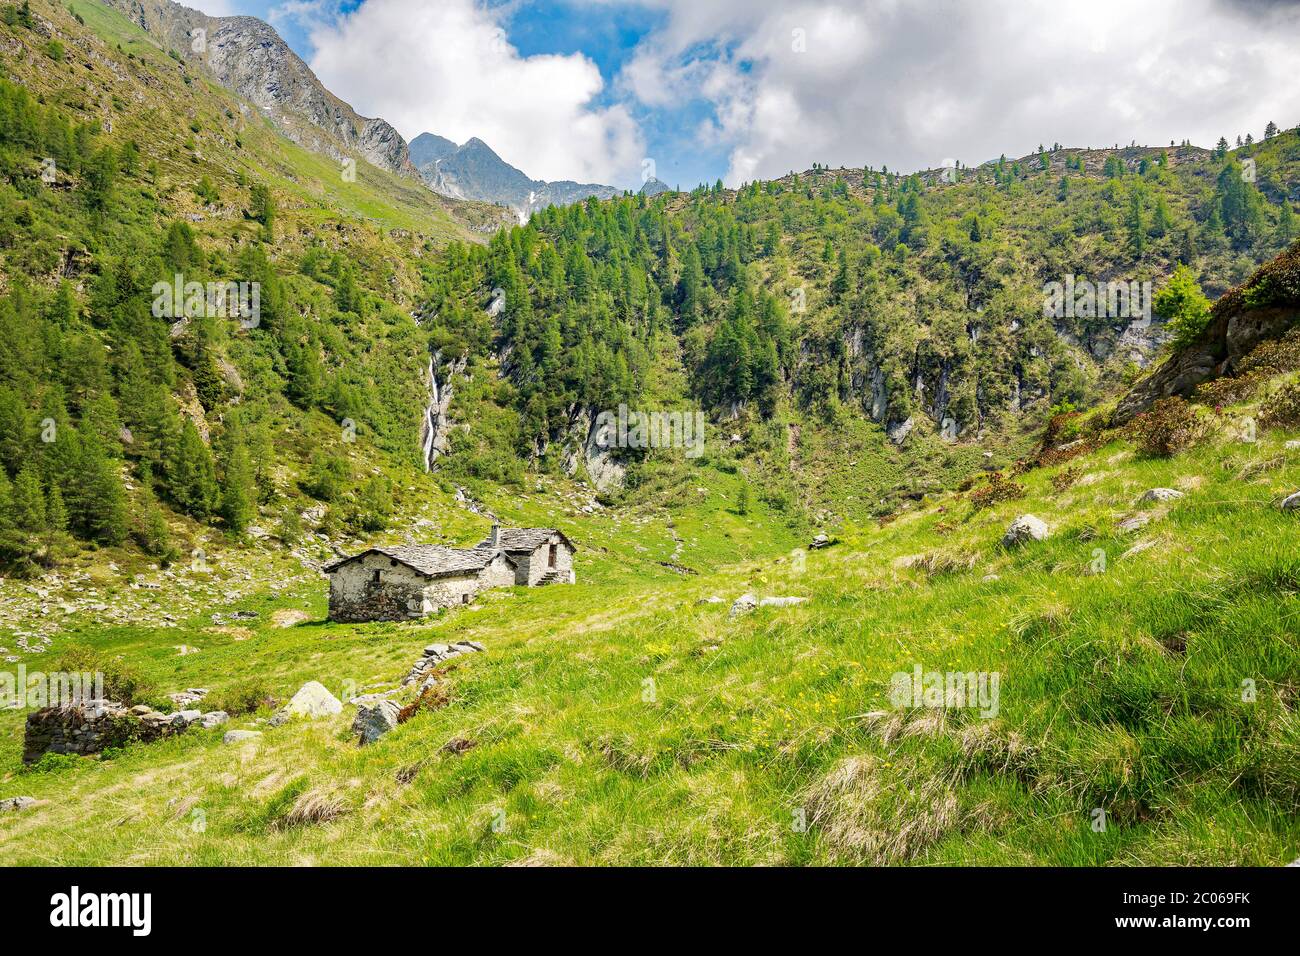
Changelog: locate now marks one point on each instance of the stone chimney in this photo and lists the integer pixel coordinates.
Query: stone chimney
(494, 536)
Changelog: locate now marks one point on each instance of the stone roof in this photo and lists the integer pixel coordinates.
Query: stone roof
(518, 540)
(431, 560)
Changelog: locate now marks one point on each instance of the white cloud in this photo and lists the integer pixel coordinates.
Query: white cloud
(908, 83)
(448, 68)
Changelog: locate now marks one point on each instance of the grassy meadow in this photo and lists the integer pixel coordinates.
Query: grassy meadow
(627, 720)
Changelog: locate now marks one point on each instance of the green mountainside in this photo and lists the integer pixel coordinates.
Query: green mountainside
(872, 356)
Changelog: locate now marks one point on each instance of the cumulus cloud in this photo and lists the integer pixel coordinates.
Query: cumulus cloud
(449, 68)
(907, 84)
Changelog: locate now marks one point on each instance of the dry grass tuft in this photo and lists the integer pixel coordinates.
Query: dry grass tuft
(312, 807)
(869, 812)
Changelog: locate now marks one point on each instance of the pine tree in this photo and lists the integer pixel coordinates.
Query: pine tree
(1161, 220)
(1137, 230)
(1184, 306)
(191, 477)
(101, 507)
(29, 501)
(238, 492)
(151, 524)
(1270, 130)
(263, 210)
(1286, 227)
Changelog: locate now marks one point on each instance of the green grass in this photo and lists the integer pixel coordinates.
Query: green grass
(623, 722)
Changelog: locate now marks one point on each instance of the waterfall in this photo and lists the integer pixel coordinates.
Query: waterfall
(431, 416)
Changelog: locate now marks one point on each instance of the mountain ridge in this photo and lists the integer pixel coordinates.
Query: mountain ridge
(474, 171)
(249, 57)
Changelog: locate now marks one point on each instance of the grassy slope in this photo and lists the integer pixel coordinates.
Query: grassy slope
(757, 717)
(308, 185)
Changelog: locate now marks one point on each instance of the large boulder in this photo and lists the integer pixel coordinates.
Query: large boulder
(311, 701)
(1024, 529)
(374, 720)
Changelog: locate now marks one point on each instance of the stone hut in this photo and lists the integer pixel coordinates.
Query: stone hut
(540, 555)
(410, 581)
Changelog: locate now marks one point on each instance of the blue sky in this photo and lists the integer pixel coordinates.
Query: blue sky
(602, 90)
(607, 36)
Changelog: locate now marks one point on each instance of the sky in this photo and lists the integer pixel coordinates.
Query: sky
(691, 91)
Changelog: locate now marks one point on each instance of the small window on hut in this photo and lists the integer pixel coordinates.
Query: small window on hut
(550, 557)
(464, 598)
(374, 576)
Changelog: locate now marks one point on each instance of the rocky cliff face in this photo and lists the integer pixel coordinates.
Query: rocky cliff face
(1263, 307)
(249, 58)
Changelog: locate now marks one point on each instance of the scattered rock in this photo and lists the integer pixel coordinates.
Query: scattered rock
(18, 803)
(236, 736)
(186, 717)
(711, 599)
(1025, 528)
(190, 695)
(374, 720)
(213, 718)
(435, 654)
(743, 604)
(1135, 522)
(1291, 502)
(781, 601)
(288, 617)
(821, 541)
(458, 745)
(1162, 494)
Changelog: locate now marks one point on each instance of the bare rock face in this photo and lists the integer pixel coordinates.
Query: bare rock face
(249, 58)
(1024, 529)
(900, 431)
(592, 445)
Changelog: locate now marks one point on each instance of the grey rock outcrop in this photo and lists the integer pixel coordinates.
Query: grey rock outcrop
(1239, 321)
